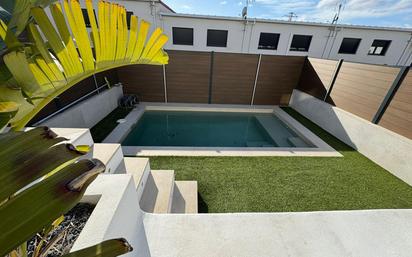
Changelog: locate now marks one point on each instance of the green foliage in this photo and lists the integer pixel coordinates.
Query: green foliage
(102, 129)
(41, 179)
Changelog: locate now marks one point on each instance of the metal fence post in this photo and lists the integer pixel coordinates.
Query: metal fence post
(332, 82)
(164, 82)
(212, 57)
(391, 93)
(95, 84)
(256, 79)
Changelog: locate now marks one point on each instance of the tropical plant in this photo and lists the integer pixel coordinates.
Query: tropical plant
(36, 71)
(41, 178)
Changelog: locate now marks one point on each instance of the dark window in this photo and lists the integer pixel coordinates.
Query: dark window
(268, 41)
(300, 43)
(86, 17)
(349, 45)
(182, 36)
(216, 38)
(128, 17)
(379, 47)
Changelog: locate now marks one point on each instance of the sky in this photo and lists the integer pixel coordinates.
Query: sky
(388, 13)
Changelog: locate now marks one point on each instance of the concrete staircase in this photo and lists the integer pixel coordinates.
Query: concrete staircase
(157, 190)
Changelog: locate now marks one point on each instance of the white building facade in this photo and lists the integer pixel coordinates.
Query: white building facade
(364, 44)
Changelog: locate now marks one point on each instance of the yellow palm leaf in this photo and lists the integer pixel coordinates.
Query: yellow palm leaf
(39, 78)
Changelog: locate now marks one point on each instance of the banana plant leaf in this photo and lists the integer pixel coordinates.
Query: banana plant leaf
(20, 10)
(20, 174)
(109, 248)
(29, 156)
(25, 144)
(7, 112)
(38, 206)
(71, 52)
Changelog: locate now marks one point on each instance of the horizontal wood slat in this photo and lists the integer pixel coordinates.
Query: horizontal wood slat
(146, 81)
(316, 76)
(361, 88)
(278, 76)
(187, 76)
(233, 78)
(398, 115)
(80, 89)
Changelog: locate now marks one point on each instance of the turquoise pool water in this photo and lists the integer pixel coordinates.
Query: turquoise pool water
(211, 129)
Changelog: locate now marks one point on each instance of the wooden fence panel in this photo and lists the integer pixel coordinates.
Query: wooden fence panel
(316, 76)
(146, 81)
(111, 76)
(79, 90)
(233, 78)
(278, 76)
(361, 88)
(187, 77)
(398, 115)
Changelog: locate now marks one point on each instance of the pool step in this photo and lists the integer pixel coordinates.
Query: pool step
(158, 192)
(185, 197)
(274, 129)
(296, 141)
(110, 154)
(258, 144)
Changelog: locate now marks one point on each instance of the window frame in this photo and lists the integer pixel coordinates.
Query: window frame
(359, 40)
(384, 50)
(208, 43)
(297, 49)
(275, 46)
(174, 38)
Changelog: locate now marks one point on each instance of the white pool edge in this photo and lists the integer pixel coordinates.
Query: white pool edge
(321, 148)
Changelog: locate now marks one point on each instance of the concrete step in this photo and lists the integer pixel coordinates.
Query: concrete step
(158, 192)
(75, 136)
(140, 169)
(110, 154)
(185, 197)
(296, 141)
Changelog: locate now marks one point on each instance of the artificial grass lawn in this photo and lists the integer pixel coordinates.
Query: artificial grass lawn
(279, 184)
(102, 129)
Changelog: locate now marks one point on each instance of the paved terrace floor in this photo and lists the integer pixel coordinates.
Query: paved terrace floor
(370, 233)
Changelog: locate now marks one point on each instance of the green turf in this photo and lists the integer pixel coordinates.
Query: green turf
(278, 184)
(102, 129)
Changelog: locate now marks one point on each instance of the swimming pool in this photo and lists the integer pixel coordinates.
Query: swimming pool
(212, 129)
(181, 129)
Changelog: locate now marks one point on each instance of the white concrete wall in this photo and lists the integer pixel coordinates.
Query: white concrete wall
(116, 215)
(243, 37)
(384, 147)
(89, 112)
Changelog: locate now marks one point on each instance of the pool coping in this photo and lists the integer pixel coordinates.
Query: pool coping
(321, 148)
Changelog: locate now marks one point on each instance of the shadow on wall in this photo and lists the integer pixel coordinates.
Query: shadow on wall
(322, 114)
(312, 84)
